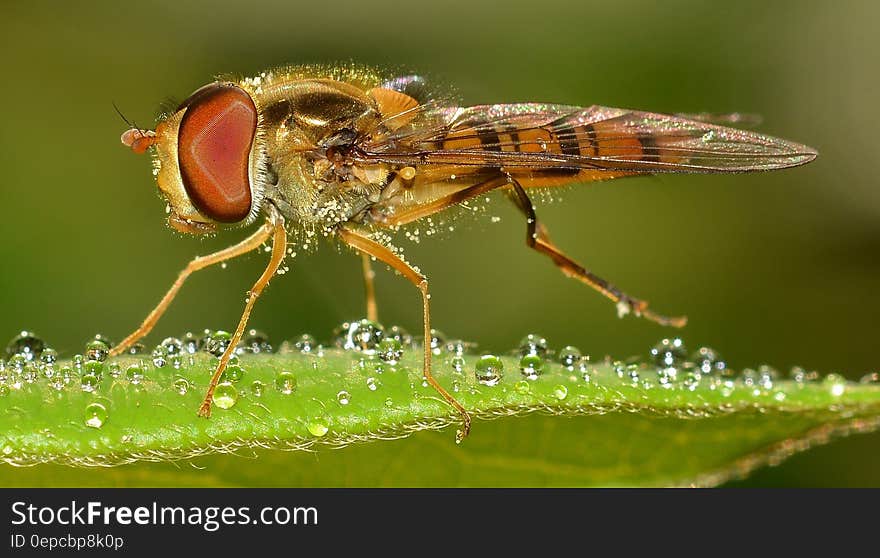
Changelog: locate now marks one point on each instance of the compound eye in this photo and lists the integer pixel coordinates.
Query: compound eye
(213, 145)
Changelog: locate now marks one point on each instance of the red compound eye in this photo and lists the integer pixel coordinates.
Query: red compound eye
(214, 145)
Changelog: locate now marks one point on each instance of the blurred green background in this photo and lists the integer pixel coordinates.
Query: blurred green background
(778, 268)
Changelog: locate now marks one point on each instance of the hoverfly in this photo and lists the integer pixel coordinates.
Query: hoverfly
(350, 153)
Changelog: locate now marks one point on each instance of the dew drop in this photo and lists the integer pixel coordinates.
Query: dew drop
(373, 383)
(181, 386)
(691, 380)
(569, 356)
(389, 402)
(305, 344)
(217, 342)
(560, 392)
(362, 335)
(160, 357)
(255, 342)
(285, 382)
(318, 428)
(134, 374)
(49, 356)
(233, 374)
(343, 397)
(669, 352)
(4, 390)
(172, 346)
(225, 395)
(114, 370)
(400, 334)
(489, 370)
(708, 361)
(438, 341)
(26, 344)
(97, 349)
(89, 382)
(390, 350)
(95, 415)
(457, 363)
(258, 388)
(191, 343)
(522, 387)
(95, 368)
(835, 383)
(870, 378)
(531, 366)
(533, 344)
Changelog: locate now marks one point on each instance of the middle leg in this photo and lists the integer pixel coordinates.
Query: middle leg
(538, 239)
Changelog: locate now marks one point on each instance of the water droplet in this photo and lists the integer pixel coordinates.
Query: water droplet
(172, 346)
(318, 428)
(95, 415)
(457, 347)
(458, 364)
(569, 356)
(134, 374)
(373, 383)
(258, 388)
(26, 344)
(160, 357)
(343, 397)
(522, 387)
(767, 375)
(97, 350)
(708, 361)
(233, 374)
(49, 356)
(255, 342)
(114, 369)
(560, 392)
(835, 383)
(305, 344)
(17, 363)
(489, 370)
(4, 390)
(802, 376)
(362, 335)
(390, 350)
(389, 402)
(400, 334)
(225, 395)
(669, 352)
(870, 378)
(191, 342)
(181, 385)
(531, 366)
(627, 371)
(667, 376)
(691, 380)
(137, 349)
(89, 382)
(285, 382)
(95, 368)
(533, 344)
(438, 341)
(217, 342)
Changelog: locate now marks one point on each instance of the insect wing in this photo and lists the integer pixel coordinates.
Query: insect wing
(536, 137)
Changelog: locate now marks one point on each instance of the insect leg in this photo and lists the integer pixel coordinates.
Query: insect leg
(279, 251)
(247, 245)
(369, 288)
(366, 245)
(538, 239)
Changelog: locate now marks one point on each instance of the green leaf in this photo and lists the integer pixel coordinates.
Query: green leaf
(366, 422)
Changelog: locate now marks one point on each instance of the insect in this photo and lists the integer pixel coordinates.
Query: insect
(349, 153)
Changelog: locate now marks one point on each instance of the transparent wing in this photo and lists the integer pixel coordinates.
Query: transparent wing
(538, 137)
